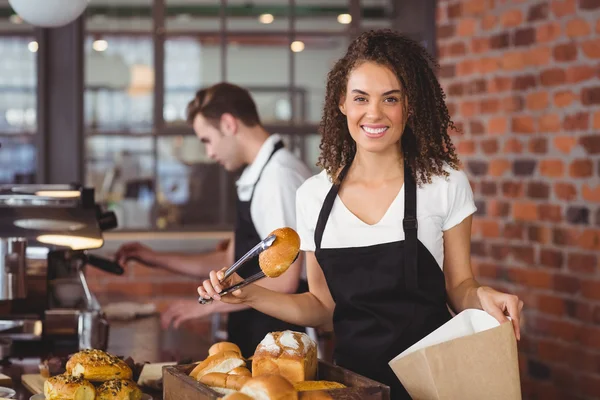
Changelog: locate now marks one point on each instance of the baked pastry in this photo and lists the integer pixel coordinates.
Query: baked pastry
(223, 346)
(270, 387)
(317, 385)
(225, 362)
(275, 260)
(119, 389)
(67, 387)
(292, 355)
(243, 371)
(98, 366)
(237, 396)
(224, 383)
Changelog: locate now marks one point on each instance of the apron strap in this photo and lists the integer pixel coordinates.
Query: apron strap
(409, 223)
(327, 206)
(278, 146)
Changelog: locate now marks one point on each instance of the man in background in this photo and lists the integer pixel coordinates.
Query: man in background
(225, 119)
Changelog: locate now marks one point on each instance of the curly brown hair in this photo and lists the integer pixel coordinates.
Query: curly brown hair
(425, 142)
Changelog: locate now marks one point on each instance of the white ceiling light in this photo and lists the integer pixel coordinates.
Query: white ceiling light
(266, 18)
(100, 45)
(33, 46)
(297, 46)
(49, 13)
(344, 18)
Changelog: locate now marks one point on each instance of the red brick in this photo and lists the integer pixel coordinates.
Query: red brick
(577, 27)
(496, 208)
(466, 147)
(552, 168)
(524, 254)
(565, 191)
(497, 125)
(550, 213)
(454, 10)
(531, 278)
(591, 144)
(560, 8)
(457, 49)
(176, 288)
(598, 26)
(499, 84)
(551, 305)
(512, 18)
(596, 122)
(513, 189)
(523, 124)
(565, 144)
(564, 98)
(466, 27)
(580, 73)
(447, 71)
(537, 101)
(589, 5)
(468, 109)
(591, 289)
(467, 67)
(590, 95)
(566, 283)
(490, 229)
(514, 60)
(590, 385)
(548, 32)
(565, 52)
(583, 263)
(539, 57)
(513, 145)
(488, 22)
(489, 146)
(589, 239)
(553, 77)
(490, 106)
(581, 168)
(480, 45)
(538, 12)
(489, 65)
(513, 231)
(524, 37)
(539, 234)
(577, 122)
(538, 145)
(551, 258)
(538, 190)
(488, 270)
(499, 167)
(476, 127)
(474, 7)
(591, 48)
(446, 31)
(549, 123)
(590, 193)
(525, 211)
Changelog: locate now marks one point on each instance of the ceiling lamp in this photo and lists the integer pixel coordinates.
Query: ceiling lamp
(49, 13)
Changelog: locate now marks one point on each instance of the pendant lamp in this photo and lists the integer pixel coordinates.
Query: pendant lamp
(49, 13)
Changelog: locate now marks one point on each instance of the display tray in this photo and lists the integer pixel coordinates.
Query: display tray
(178, 385)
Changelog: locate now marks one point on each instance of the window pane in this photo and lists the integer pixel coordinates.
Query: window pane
(265, 16)
(190, 64)
(192, 16)
(119, 83)
(192, 189)
(261, 64)
(312, 66)
(320, 16)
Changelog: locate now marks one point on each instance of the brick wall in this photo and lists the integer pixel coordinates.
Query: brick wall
(523, 83)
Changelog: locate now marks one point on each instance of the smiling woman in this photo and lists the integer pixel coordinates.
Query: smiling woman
(386, 226)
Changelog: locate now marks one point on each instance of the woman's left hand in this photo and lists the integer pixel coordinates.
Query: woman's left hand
(184, 310)
(499, 305)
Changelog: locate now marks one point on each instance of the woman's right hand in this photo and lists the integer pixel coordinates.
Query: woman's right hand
(211, 288)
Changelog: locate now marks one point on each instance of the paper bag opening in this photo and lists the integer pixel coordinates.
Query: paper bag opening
(472, 356)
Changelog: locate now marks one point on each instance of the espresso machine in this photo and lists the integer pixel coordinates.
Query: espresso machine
(46, 306)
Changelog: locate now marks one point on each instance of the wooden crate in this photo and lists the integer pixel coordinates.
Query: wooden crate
(178, 385)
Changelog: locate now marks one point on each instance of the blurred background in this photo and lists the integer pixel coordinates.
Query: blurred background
(102, 101)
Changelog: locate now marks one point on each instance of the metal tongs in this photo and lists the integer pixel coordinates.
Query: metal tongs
(255, 251)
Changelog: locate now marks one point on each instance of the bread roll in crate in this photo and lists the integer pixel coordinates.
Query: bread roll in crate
(290, 356)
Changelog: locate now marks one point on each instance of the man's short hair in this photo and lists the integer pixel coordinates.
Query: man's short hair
(223, 98)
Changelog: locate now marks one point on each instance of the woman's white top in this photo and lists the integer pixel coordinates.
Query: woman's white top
(441, 205)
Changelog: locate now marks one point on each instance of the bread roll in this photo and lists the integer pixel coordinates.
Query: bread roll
(292, 355)
(223, 346)
(237, 396)
(270, 387)
(224, 383)
(98, 366)
(243, 371)
(67, 387)
(275, 260)
(317, 385)
(220, 362)
(118, 389)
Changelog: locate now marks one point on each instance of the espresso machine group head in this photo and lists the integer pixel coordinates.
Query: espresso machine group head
(46, 305)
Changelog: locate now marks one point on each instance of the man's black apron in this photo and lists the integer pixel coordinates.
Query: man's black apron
(387, 296)
(248, 327)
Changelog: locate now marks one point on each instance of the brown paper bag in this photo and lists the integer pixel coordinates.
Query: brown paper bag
(470, 357)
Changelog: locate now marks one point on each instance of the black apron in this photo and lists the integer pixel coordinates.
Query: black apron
(247, 328)
(387, 296)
